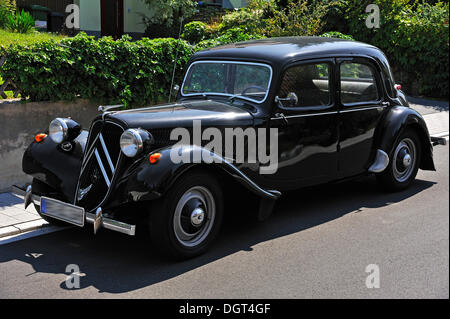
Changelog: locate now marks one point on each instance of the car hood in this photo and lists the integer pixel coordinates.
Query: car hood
(210, 113)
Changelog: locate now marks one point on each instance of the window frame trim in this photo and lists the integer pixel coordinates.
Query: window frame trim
(226, 94)
(331, 84)
(378, 81)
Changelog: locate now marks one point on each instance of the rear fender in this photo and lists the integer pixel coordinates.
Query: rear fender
(396, 120)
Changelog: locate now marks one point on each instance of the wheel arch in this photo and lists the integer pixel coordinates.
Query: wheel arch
(395, 122)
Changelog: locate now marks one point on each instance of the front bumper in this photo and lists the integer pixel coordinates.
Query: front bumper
(97, 219)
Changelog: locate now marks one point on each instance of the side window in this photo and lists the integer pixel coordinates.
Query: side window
(309, 82)
(358, 83)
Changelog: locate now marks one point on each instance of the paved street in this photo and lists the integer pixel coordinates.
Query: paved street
(318, 244)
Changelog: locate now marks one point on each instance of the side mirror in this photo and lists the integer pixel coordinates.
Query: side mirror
(291, 98)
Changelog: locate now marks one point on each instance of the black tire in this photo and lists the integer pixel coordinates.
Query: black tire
(397, 177)
(41, 189)
(164, 228)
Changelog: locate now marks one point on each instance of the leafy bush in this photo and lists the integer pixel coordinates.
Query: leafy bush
(21, 22)
(335, 34)
(167, 12)
(7, 7)
(229, 36)
(299, 18)
(250, 20)
(195, 32)
(413, 35)
(103, 70)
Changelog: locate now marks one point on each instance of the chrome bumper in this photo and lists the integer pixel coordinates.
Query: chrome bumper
(98, 220)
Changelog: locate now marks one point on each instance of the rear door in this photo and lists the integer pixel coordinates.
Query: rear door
(361, 104)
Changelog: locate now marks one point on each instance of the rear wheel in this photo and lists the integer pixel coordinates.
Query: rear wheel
(404, 162)
(186, 221)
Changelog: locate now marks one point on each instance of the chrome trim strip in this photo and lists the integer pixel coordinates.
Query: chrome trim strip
(363, 109)
(102, 168)
(106, 152)
(114, 175)
(328, 113)
(107, 223)
(89, 151)
(21, 193)
(113, 224)
(224, 94)
(304, 115)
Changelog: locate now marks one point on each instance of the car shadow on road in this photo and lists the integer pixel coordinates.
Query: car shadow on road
(115, 263)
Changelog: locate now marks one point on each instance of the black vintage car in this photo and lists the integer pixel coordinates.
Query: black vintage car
(314, 110)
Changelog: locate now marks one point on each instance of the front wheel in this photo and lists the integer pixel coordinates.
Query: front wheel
(404, 162)
(185, 222)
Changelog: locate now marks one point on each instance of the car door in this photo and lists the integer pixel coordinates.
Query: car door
(306, 119)
(360, 108)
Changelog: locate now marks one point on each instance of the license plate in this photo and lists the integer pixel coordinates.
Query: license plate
(62, 211)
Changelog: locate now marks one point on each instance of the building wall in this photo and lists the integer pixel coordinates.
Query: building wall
(90, 19)
(133, 21)
(90, 16)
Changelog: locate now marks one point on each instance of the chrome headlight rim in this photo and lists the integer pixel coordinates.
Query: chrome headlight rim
(64, 130)
(138, 142)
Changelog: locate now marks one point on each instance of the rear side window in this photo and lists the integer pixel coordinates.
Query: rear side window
(358, 83)
(310, 83)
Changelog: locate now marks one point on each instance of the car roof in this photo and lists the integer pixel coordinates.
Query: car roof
(278, 51)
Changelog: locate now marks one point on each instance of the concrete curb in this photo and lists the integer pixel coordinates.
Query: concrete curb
(22, 228)
(48, 229)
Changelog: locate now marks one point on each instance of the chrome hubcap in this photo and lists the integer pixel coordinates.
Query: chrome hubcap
(404, 160)
(194, 216)
(197, 217)
(407, 160)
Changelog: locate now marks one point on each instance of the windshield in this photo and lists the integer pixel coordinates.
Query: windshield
(250, 81)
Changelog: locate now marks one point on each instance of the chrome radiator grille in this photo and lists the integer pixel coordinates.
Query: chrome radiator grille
(100, 165)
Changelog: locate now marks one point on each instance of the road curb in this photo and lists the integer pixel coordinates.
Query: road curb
(22, 228)
(47, 229)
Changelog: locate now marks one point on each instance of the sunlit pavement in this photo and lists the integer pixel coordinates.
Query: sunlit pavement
(318, 244)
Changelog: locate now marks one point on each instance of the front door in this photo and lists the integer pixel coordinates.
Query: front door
(112, 18)
(307, 121)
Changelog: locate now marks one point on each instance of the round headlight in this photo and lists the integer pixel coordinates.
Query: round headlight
(131, 142)
(58, 130)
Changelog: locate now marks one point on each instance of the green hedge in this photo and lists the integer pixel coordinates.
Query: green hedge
(414, 35)
(103, 70)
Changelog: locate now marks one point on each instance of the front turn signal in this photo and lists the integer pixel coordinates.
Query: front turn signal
(40, 137)
(154, 158)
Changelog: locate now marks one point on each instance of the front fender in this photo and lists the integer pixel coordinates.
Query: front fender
(395, 121)
(59, 169)
(151, 181)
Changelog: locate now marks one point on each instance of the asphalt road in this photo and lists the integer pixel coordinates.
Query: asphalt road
(317, 245)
